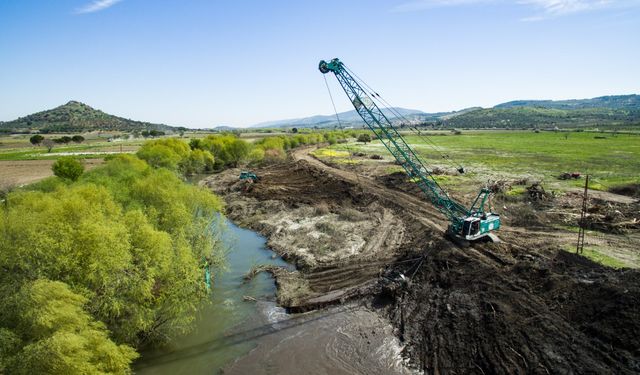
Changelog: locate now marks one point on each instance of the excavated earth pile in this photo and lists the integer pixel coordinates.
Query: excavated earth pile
(521, 306)
(519, 312)
(339, 237)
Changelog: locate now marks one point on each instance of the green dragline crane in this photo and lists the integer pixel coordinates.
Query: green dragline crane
(465, 223)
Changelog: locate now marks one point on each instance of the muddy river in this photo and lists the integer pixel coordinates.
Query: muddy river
(234, 335)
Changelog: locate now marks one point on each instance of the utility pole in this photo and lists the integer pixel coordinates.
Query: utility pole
(583, 213)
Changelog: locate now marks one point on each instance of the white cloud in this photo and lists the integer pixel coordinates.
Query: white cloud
(96, 6)
(556, 8)
(543, 8)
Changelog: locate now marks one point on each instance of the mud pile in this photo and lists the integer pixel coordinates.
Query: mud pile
(339, 238)
(523, 306)
(466, 312)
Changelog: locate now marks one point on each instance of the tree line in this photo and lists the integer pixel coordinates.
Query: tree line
(96, 265)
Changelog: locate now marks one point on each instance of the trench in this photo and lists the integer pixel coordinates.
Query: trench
(233, 335)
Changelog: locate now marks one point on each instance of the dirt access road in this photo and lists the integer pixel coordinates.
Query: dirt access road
(522, 306)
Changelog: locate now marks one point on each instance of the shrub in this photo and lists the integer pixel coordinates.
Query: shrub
(36, 139)
(364, 138)
(77, 139)
(68, 168)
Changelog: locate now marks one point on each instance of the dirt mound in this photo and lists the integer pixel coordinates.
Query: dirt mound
(522, 306)
(298, 184)
(630, 190)
(465, 313)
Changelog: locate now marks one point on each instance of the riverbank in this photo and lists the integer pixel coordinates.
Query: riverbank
(520, 306)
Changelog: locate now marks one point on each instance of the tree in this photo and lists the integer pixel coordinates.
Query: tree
(364, 138)
(64, 139)
(55, 335)
(36, 139)
(164, 153)
(77, 139)
(128, 238)
(238, 151)
(48, 143)
(294, 130)
(68, 168)
(155, 133)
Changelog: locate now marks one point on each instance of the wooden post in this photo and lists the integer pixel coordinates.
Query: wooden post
(583, 213)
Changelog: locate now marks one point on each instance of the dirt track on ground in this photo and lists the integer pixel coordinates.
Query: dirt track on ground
(522, 306)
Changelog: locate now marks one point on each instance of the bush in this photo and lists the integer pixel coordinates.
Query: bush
(176, 155)
(364, 138)
(67, 168)
(65, 139)
(77, 139)
(36, 139)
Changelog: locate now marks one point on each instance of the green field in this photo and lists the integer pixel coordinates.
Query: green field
(612, 161)
(19, 148)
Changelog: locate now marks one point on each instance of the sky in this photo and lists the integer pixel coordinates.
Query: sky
(206, 63)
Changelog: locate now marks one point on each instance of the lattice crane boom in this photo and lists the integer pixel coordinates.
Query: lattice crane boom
(470, 224)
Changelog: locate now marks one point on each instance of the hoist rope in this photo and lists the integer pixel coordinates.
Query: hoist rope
(335, 110)
(375, 96)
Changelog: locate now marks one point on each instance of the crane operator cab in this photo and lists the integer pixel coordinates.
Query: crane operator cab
(475, 227)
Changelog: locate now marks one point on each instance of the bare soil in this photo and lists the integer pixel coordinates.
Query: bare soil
(22, 172)
(522, 306)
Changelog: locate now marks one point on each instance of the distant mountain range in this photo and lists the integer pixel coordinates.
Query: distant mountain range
(619, 110)
(629, 102)
(352, 118)
(77, 117)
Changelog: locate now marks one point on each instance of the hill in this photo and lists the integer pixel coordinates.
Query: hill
(77, 117)
(619, 111)
(352, 118)
(630, 102)
(538, 117)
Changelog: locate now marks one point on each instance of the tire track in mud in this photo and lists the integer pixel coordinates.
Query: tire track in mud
(521, 306)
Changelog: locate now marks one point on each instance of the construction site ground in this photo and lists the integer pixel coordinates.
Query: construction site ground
(525, 305)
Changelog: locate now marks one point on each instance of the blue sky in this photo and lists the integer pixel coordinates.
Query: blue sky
(203, 63)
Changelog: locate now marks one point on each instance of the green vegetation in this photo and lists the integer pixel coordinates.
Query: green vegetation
(613, 102)
(36, 139)
(174, 154)
(364, 138)
(229, 151)
(602, 258)
(68, 167)
(538, 117)
(612, 161)
(95, 268)
(77, 139)
(76, 117)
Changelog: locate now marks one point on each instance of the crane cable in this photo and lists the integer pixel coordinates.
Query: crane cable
(335, 110)
(388, 106)
(385, 104)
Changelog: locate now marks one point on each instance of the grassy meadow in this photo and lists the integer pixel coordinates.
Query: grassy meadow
(610, 159)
